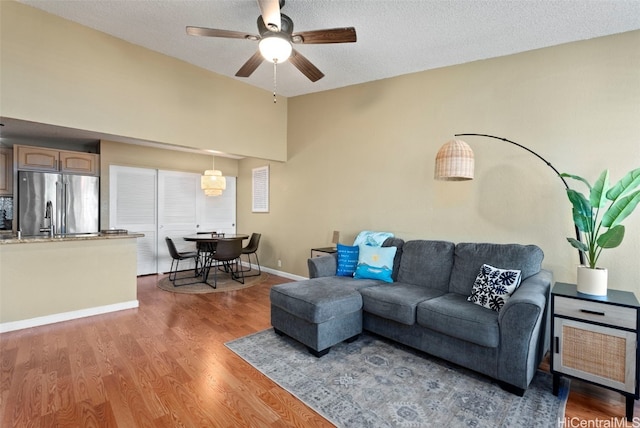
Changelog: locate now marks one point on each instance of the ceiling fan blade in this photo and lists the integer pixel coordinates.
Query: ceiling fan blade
(305, 66)
(270, 11)
(331, 35)
(212, 32)
(251, 65)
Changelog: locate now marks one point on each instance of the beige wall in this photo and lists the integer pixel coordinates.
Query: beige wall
(113, 153)
(362, 157)
(58, 72)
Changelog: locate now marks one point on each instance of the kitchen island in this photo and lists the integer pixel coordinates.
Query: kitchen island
(51, 279)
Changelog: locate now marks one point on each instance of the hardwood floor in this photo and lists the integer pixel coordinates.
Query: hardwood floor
(165, 365)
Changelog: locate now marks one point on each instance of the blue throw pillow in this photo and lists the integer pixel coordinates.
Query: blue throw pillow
(375, 263)
(347, 260)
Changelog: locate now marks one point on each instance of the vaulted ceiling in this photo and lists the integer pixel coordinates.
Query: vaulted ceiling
(394, 37)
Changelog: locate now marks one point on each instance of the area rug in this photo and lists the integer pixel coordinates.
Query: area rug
(225, 283)
(374, 382)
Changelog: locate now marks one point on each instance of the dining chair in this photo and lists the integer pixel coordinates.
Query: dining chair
(227, 259)
(205, 249)
(252, 248)
(176, 258)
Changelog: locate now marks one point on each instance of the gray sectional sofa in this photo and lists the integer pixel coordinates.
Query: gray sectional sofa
(426, 307)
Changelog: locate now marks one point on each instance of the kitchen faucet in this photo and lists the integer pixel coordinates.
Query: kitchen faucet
(48, 213)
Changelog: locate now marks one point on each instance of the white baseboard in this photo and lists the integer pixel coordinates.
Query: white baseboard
(276, 272)
(66, 316)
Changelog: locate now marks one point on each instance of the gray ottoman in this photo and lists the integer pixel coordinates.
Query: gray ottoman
(316, 313)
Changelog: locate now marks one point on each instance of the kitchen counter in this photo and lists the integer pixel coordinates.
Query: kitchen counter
(45, 280)
(11, 239)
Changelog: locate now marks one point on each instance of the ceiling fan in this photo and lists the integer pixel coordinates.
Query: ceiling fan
(276, 37)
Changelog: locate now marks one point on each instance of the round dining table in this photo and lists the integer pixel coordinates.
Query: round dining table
(206, 244)
(214, 237)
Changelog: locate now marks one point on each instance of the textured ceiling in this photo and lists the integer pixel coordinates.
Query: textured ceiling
(394, 37)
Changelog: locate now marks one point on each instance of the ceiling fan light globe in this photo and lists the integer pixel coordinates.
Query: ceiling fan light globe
(275, 49)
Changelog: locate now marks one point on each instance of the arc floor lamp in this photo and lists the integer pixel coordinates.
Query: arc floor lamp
(455, 162)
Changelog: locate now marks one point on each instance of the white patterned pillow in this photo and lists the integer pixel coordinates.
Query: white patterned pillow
(493, 287)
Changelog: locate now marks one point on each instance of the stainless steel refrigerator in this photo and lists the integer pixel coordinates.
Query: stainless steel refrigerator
(69, 202)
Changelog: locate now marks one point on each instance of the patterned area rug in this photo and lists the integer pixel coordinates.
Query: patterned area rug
(224, 283)
(373, 382)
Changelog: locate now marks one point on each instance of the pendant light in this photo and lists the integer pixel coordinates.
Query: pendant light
(212, 182)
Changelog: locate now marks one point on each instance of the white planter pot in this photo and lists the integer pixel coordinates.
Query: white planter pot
(592, 281)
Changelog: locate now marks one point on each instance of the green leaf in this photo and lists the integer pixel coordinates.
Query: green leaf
(620, 210)
(577, 244)
(581, 221)
(597, 196)
(576, 177)
(579, 202)
(612, 237)
(626, 184)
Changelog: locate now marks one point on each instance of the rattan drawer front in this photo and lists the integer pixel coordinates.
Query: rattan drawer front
(604, 313)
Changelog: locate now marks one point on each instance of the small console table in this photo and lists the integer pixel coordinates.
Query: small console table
(595, 338)
(324, 251)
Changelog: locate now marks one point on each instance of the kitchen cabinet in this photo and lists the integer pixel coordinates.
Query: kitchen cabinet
(6, 171)
(46, 159)
(80, 163)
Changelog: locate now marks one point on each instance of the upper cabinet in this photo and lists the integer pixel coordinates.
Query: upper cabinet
(79, 163)
(44, 159)
(37, 158)
(6, 171)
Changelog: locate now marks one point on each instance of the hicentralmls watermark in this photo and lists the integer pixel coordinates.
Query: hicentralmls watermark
(597, 423)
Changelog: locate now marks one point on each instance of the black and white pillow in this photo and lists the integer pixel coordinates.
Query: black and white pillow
(493, 286)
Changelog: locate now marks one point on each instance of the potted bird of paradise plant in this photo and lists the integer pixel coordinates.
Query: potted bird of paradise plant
(599, 217)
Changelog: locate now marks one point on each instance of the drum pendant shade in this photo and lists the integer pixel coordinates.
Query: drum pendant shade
(212, 182)
(454, 162)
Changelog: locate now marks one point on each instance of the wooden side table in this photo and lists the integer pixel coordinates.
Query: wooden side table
(324, 251)
(595, 338)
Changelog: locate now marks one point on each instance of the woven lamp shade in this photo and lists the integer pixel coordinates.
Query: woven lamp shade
(454, 162)
(212, 182)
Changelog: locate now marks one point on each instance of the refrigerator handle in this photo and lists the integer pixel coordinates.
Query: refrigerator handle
(60, 206)
(57, 209)
(64, 205)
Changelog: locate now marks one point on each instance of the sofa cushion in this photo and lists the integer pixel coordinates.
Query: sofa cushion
(347, 260)
(427, 263)
(375, 263)
(470, 257)
(453, 315)
(396, 301)
(318, 300)
(493, 287)
(398, 243)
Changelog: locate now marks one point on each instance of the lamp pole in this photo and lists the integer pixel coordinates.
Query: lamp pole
(580, 255)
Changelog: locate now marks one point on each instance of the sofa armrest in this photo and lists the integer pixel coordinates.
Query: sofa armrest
(524, 330)
(323, 266)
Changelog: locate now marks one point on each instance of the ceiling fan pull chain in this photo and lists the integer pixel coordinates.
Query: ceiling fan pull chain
(275, 68)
